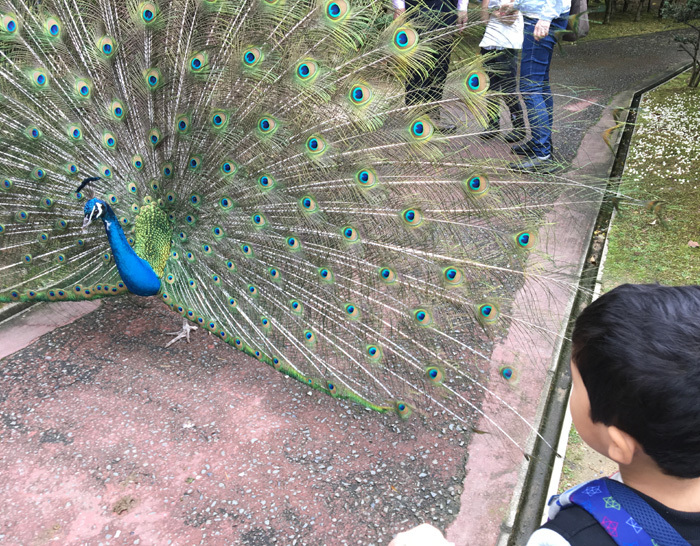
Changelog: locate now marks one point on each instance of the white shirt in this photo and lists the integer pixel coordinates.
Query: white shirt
(498, 35)
(401, 4)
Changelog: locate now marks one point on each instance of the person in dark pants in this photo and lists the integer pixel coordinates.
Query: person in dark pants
(500, 46)
(542, 19)
(422, 88)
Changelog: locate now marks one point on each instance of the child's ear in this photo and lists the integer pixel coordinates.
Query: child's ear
(622, 446)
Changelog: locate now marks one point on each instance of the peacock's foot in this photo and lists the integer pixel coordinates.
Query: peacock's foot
(184, 333)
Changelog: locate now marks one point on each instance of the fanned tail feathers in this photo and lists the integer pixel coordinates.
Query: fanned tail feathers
(318, 223)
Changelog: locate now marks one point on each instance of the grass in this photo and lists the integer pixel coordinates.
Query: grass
(662, 166)
(623, 24)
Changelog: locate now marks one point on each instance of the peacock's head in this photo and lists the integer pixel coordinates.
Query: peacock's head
(95, 208)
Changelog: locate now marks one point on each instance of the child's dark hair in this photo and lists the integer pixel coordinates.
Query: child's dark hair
(637, 349)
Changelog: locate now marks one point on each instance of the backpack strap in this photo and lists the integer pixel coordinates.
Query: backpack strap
(624, 515)
(649, 519)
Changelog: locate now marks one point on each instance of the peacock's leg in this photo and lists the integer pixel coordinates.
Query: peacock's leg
(184, 333)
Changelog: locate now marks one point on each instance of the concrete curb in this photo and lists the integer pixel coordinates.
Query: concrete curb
(542, 472)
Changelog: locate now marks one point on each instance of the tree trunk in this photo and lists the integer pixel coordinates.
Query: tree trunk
(609, 9)
(626, 5)
(661, 8)
(649, 6)
(695, 76)
(638, 15)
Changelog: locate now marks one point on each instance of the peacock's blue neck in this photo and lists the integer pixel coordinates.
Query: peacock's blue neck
(137, 274)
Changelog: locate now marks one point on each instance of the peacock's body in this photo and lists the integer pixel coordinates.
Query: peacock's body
(260, 172)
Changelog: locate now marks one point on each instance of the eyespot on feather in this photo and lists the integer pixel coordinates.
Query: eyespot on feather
(39, 78)
(167, 169)
(326, 275)
(148, 13)
(315, 145)
(402, 409)
(219, 120)
(32, 132)
(153, 78)
(53, 28)
(350, 234)
(476, 185)
(487, 313)
(9, 24)
(387, 275)
(194, 163)
(153, 137)
(405, 39)
(373, 352)
(422, 316)
(182, 124)
(109, 140)
(366, 178)
(309, 337)
(117, 110)
(308, 204)
(83, 89)
(336, 10)
(267, 125)
(274, 273)
(293, 243)
(75, 133)
(252, 56)
(352, 311)
(195, 200)
(198, 62)
(226, 203)
(258, 220)
(453, 276)
(507, 373)
(412, 217)
(266, 182)
(526, 240)
(477, 81)
(228, 167)
(360, 95)
(434, 374)
(306, 71)
(106, 47)
(421, 129)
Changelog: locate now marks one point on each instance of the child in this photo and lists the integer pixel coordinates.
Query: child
(636, 399)
(500, 46)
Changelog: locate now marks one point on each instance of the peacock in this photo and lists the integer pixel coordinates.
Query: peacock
(256, 166)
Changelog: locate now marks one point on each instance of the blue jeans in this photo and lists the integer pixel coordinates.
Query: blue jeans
(534, 83)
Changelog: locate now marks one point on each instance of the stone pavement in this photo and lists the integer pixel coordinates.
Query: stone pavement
(599, 70)
(109, 438)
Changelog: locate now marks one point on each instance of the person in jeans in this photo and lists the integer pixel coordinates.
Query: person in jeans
(426, 88)
(500, 46)
(543, 18)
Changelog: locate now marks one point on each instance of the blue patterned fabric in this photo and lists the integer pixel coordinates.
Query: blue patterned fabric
(624, 515)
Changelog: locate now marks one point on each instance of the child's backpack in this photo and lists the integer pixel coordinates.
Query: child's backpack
(624, 515)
